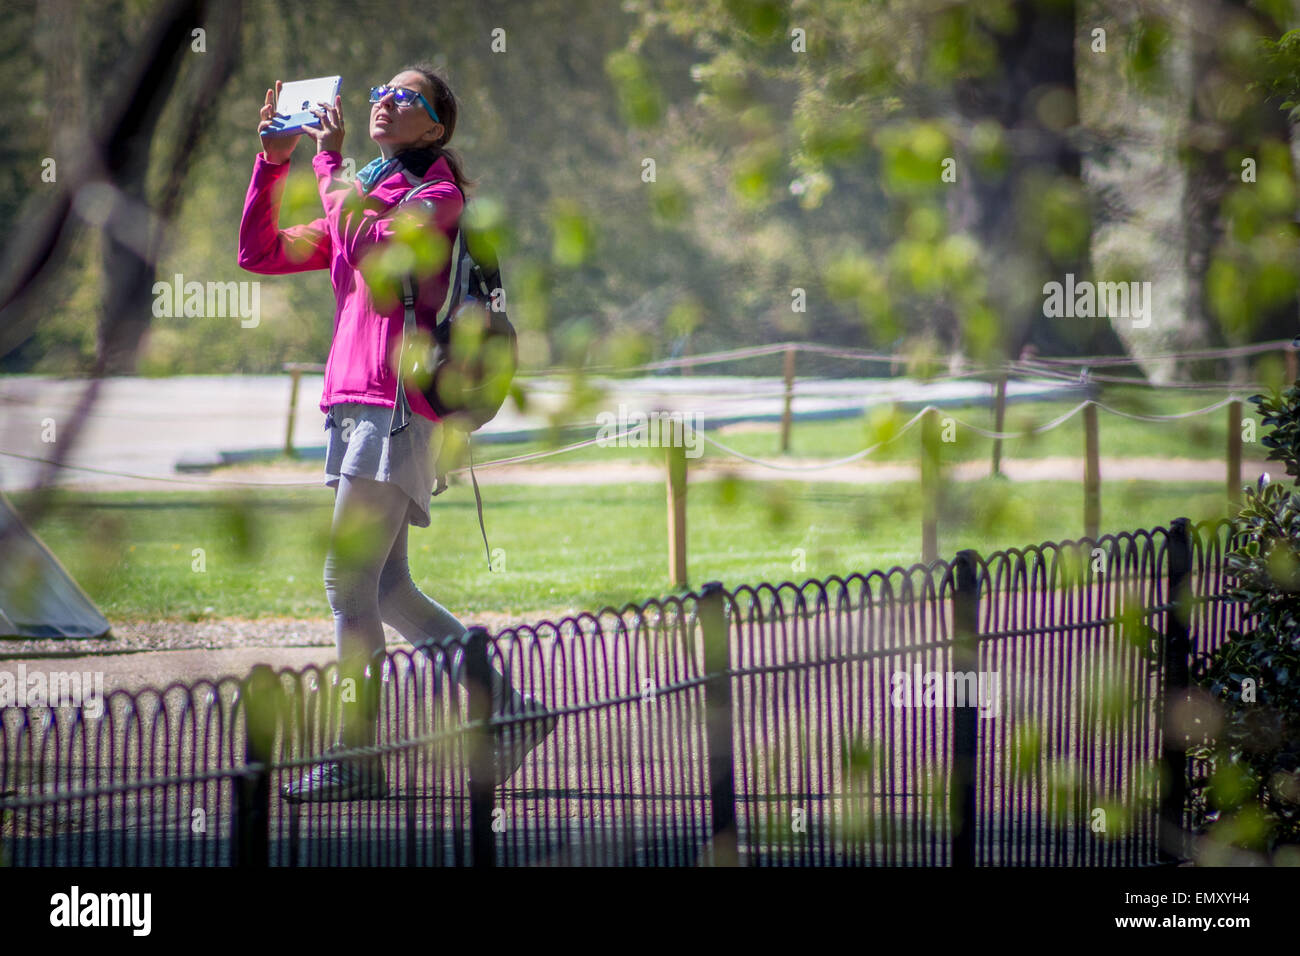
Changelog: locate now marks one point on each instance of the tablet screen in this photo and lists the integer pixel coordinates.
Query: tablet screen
(300, 96)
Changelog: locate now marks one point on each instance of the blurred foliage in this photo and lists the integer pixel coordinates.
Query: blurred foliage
(843, 120)
(543, 128)
(1252, 788)
(1280, 76)
(674, 169)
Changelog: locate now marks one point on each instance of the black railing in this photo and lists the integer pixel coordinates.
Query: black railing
(814, 724)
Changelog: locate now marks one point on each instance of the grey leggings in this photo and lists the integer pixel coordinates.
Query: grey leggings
(368, 583)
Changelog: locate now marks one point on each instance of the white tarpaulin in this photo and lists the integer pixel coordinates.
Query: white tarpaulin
(38, 598)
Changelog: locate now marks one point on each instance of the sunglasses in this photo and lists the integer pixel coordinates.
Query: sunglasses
(403, 97)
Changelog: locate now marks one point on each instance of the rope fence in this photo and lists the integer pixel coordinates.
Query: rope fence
(1041, 367)
(633, 432)
(930, 418)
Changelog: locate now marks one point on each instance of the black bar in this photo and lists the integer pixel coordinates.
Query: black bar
(251, 843)
(482, 790)
(1173, 737)
(965, 658)
(718, 720)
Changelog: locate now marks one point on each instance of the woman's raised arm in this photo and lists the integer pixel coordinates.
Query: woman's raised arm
(263, 246)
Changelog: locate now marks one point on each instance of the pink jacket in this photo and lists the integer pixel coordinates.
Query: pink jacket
(364, 350)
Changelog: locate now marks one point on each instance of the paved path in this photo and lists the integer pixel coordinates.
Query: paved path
(146, 426)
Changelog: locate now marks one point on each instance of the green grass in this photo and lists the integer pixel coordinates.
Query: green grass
(578, 547)
(1200, 437)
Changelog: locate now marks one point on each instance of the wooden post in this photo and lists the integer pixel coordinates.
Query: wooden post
(930, 486)
(789, 399)
(1288, 354)
(999, 417)
(1091, 473)
(294, 374)
(1234, 452)
(676, 460)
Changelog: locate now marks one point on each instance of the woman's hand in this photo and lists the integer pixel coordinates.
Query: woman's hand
(331, 132)
(276, 149)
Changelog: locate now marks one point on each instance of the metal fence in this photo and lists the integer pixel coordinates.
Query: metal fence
(1008, 709)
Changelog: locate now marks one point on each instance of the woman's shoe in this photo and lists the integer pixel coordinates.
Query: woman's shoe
(515, 742)
(351, 779)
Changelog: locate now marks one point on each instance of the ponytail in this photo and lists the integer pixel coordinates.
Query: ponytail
(445, 105)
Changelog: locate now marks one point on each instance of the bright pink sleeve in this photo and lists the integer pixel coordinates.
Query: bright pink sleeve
(360, 229)
(264, 247)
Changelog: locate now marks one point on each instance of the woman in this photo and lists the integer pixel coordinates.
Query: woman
(382, 474)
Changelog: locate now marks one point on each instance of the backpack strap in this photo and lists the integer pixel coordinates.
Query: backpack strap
(402, 406)
(455, 279)
(440, 485)
(419, 187)
(478, 501)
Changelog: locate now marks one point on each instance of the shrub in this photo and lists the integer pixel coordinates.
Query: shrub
(1252, 789)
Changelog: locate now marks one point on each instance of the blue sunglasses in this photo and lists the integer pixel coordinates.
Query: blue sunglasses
(403, 97)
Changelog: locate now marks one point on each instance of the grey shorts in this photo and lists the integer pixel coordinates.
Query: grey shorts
(359, 446)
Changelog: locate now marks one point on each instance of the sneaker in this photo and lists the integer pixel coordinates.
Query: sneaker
(516, 741)
(338, 780)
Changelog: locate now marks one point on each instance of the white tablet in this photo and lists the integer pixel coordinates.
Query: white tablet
(298, 98)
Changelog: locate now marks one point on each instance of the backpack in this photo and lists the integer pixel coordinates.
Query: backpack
(466, 370)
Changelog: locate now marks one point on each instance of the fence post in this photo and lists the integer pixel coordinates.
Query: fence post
(930, 485)
(965, 659)
(250, 840)
(482, 790)
(1177, 651)
(999, 418)
(786, 413)
(1234, 452)
(1289, 356)
(1091, 473)
(295, 373)
(718, 724)
(676, 459)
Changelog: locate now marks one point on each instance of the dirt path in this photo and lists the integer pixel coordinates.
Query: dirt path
(212, 647)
